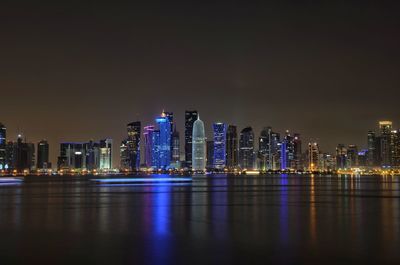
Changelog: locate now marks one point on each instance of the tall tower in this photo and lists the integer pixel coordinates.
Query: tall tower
(42, 155)
(106, 154)
(148, 145)
(198, 146)
(176, 148)
(3, 144)
(164, 125)
(231, 147)
(246, 148)
(313, 156)
(385, 128)
(133, 144)
(219, 159)
(190, 118)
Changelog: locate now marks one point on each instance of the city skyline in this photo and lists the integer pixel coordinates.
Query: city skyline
(288, 66)
(282, 151)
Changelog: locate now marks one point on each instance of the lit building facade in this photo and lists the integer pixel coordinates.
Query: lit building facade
(133, 143)
(198, 146)
(43, 156)
(232, 147)
(219, 157)
(190, 117)
(313, 156)
(148, 137)
(105, 154)
(164, 141)
(246, 149)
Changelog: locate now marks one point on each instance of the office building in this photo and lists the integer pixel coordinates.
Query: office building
(43, 156)
(219, 156)
(198, 146)
(190, 117)
(246, 149)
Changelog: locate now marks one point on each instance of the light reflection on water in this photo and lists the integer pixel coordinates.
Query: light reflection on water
(276, 218)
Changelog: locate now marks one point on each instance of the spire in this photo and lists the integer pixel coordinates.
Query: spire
(198, 116)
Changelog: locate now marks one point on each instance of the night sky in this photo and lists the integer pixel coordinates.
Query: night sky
(73, 71)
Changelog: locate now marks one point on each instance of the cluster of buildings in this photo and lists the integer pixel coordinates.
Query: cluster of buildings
(22, 156)
(157, 147)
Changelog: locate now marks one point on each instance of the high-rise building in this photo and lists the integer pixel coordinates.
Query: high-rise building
(297, 163)
(219, 158)
(170, 117)
(43, 155)
(24, 155)
(91, 151)
(156, 150)
(210, 154)
(288, 152)
(72, 156)
(313, 156)
(124, 156)
(246, 148)
(164, 125)
(341, 156)
(198, 146)
(372, 154)
(231, 147)
(269, 149)
(352, 156)
(190, 117)
(395, 148)
(176, 149)
(133, 143)
(385, 128)
(148, 145)
(3, 145)
(105, 154)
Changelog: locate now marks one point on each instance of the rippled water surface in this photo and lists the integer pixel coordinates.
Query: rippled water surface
(272, 219)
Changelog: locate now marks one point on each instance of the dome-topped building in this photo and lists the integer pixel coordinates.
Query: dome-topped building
(198, 146)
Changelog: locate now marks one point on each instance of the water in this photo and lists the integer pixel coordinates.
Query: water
(272, 219)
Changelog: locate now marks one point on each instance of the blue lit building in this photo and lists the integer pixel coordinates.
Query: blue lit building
(219, 157)
(164, 125)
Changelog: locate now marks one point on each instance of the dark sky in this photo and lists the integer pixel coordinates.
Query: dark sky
(71, 70)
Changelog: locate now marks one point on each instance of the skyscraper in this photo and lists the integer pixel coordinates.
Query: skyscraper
(219, 158)
(313, 156)
(372, 154)
(231, 147)
(352, 156)
(3, 144)
(297, 152)
(133, 143)
(124, 157)
(341, 156)
(176, 152)
(43, 155)
(105, 154)
(190, 118)
(148, 145)
(198, 146)
(269, 149)
(385, 128)
(246, 149)
(24, 155)
(164, 126)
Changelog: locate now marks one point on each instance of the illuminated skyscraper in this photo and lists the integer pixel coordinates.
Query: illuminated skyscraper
(269, 149)
(385, 128)
(341, 156)
(148, 145)
(219, 158)
(190, 118)
(313, 156)
(164, 126)
(352, 156)
(43, 155)
(231, 147)
(246, 148)
(3, 144)
(198, 146)
(176, 152)
(297, 152)
(105, 154)
(133, 143)
(124, 157)
(372, 152)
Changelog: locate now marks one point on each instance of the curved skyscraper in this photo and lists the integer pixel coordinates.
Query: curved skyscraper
(198, 146)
